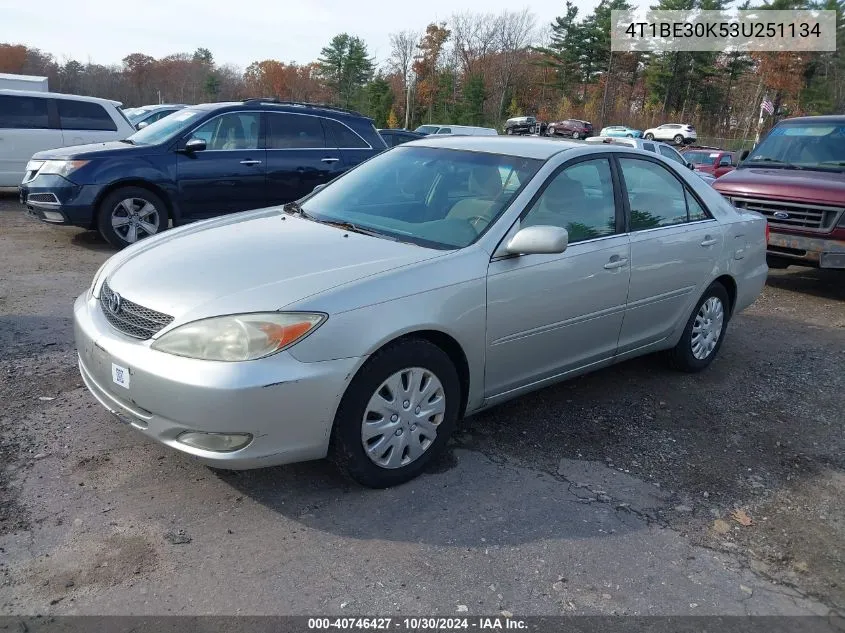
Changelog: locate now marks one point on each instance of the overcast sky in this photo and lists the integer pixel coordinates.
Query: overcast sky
(105, 31)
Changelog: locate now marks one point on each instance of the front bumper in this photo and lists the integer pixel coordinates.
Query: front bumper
(288, 406)
(820, 252)
(54, 199)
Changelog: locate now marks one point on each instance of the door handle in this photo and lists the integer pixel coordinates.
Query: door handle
(709, 241)
(250, 162)
(616, 262)
(329, 159)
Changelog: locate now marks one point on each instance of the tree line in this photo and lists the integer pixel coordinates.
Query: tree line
(480, 69)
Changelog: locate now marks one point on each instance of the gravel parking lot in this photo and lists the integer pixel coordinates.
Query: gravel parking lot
(635, 490)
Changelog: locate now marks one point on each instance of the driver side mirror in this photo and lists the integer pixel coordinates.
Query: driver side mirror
(195, 145)
(539, 240)
(142, 125)
(690, 165)
(744, 154)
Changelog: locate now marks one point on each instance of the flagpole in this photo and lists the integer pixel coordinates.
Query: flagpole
(759, 122)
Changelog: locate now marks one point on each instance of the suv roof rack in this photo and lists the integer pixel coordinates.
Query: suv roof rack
(302, 104)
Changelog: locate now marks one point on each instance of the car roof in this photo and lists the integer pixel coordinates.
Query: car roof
(538, 148)
(271, 105)
(827, 118)
(56, 95)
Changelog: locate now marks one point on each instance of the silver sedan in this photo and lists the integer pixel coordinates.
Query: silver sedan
(437, 279)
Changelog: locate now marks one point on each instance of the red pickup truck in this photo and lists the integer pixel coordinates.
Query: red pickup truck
(796, 178)
(711, 160)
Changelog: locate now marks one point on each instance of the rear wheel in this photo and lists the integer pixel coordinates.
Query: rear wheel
(129, 214)
(551, 131)
(704, 332)
(508, 130)
(649, 137)
(629, 136)
(575, 135)
(679, 140)
(397, 414)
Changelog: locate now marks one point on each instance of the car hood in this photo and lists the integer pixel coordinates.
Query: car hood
(259, 261)
(91, 150)
(820, 187)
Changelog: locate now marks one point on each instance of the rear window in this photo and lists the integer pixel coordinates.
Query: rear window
(84, 115)
(23, 113)
(339, 135)
(295, 131)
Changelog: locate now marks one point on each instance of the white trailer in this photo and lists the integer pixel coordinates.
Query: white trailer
(23, 82)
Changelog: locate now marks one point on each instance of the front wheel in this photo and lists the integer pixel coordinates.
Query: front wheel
(649, 137)
(575, 135)
(704, 332)
(129, 214)
(550, 131)
(397, 414)
(629, 136)
(508, 131)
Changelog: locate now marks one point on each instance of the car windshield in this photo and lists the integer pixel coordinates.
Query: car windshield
(133, 114)
(816, 145)
(427, 129)
(166, 128)
(700, 158)
(433, 197)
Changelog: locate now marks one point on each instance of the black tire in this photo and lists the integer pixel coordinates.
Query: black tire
(108, 207)
(679, 140)
(347, 448)
(681, 356)
(629, 136)
(649, 137)
(508, 130)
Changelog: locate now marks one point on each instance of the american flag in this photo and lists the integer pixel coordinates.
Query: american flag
(768, 106)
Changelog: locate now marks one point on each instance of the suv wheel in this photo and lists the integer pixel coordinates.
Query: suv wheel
(576, 135)
(129, 214)
(678, 139)
(550, 131)
(704, 332)
(649, 137)
(397, 414)
(508, 130)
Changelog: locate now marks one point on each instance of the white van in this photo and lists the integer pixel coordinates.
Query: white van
(32, 121)
(456, 130)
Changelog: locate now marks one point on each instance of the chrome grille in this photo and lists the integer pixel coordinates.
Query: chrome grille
(131, 318)
(793, 215)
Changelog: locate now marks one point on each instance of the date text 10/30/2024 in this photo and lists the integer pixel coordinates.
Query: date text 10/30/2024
(417, 624)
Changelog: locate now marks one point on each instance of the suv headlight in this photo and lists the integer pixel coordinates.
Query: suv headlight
(239, 337)
(62, 167)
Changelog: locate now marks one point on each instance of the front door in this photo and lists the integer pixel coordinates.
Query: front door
(548, 315)
(674, 246)
(229, 175)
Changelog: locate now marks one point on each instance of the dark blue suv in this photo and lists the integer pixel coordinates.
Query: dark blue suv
(199, 162)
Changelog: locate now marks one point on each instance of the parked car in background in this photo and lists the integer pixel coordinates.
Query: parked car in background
(574, 128)
(32, 121)
(433, 281)
(524, 125)
(142, 116)
(620, 131)
(795, 177)
(456, 130)
(393, 137)
(711, 160)
(678, 133)
(10, 81)
(202, 161)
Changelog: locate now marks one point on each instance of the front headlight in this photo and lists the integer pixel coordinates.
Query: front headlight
(62, 167)
(240, 336)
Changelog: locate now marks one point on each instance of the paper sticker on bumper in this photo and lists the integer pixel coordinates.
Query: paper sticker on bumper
(120, 375)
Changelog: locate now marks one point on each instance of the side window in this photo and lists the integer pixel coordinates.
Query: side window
(339, 135)
(655, 196)
(671, 154)
(649, 147)
(579, 199)
(84, 115)
(295, 131)
(726, 161)
(23, 113)
(233, 131)
(696, 211)
(444, 130)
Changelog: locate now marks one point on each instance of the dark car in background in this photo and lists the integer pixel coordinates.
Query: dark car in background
(523, 125)
(393, 137)
(202, 161)
(574, 128)
(143, 116)
(795, 177)
(710, 160)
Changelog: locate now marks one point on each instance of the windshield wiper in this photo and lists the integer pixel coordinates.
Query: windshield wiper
(772, 162)
(833, 163)
(348, 226)
(295, 207)
(127, 140)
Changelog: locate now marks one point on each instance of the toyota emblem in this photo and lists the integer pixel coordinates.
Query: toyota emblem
(114, 302)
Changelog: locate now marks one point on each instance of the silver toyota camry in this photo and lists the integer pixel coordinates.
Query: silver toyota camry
(437, 279)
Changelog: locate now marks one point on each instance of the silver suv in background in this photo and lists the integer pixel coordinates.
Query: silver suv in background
(678, 133)
(455, 130)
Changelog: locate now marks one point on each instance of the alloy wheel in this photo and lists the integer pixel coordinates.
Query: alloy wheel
(134, 218)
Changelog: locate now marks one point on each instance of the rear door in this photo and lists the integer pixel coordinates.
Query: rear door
(674, 246)
(85, 122)
(227, 176)
(25, 128)
(352, 147)
(298, 156)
